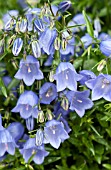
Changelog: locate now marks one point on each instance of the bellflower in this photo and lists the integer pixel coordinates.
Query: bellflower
(66, 77)
(29, 70)
(79, 101)
(97, 25)
(31, 149)
(39, 26)
(7, 143)
(47, 93)
(69, 47)
(105, 47)
(87, 75)
(54, 133)
(17, 46)
(101, 87)
(104, 36)
(16, 130)
(47, 39)
(36, 49)
(25, 105)
(86, 40)
(78, 19)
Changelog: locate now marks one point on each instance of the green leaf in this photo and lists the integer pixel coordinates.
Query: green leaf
(107, 166)
(3, 88)
(88, 24)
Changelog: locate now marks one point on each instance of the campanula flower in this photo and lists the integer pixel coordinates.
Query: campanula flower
(7, 143)
(66, 77)
(104, 36)
(87, 75)
(17, 46)
(54, 133)
(26, 105)
(105, 47)
(29, 70)
(31, 149)
(79, 101)
(78, 19)
(70, 45)
(16, 130)
(47, 39)
(47, 93)
(101, 87)
(86, 40)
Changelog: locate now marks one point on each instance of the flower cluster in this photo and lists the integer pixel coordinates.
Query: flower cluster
(42, 45)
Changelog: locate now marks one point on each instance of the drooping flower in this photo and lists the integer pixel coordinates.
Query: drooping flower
(17, 46)
(7, 143)
(69, 50)
(54, 133)
(101, 87)
(47, 93)
(104, 36)
(29, 70)
(39, 26)
(66, 77)
(26, 105)
(16, 129)
(87, 40)
(78, 19)
(47, 39)
(79, 101)
(105, 47)
(30, 149)
(87, 75)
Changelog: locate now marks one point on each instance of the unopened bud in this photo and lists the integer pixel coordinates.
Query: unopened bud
(23, 25)
(36, 49)
(41, 116)
(101, 65)
(64, 44)
(51, 76)
(30, 123)
(49, 114)
(57, 43)
(65, 103)
(21, 87)
(39, 137)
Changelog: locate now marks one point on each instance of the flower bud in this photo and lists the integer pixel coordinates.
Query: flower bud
(39, 137)
(1, 46)
(64, 44)
(30, 123)
(49, 114)
(65, 103)
(64, 6)
(57, 43)
(36, 49)
(101, 65)
(21, 88)
(41, 116)
(39, 25)
(17, 46)
(51, 74)
(97, 25)
(23, 25)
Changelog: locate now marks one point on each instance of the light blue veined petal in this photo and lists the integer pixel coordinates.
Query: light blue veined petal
(17, 46)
